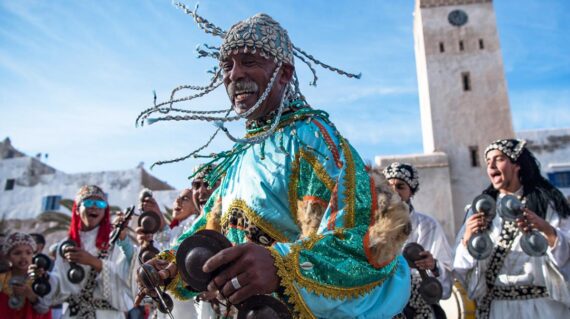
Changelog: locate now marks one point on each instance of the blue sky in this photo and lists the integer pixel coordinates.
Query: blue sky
(75, 74)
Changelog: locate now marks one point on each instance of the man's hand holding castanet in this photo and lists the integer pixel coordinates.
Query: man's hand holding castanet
(248, 270)
(474, 224)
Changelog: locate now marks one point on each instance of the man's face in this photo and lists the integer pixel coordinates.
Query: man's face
(402, 188)
(503, 173)
(246, 77)
(90, 214)
(184, 205)
(201, 193)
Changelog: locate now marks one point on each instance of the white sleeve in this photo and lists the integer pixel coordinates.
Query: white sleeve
(556, 265)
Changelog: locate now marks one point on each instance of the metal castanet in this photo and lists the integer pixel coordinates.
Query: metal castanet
(533, 243)
(430, 288)
(150, 279)
(263, 307)
(41, 285)
(150, 222)
(191, 256)
(480, 246)
(193, 253)
(75, 274)
(119, 226)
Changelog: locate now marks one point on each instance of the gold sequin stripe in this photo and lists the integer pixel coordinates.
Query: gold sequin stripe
(293, 182)
(168, 255)
(255, 219)
(349, 185)
(287, 282)
(319, 169)
(327, 290)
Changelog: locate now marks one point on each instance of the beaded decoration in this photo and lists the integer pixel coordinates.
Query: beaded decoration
(510, 147)
(258, 34)
(405, 172)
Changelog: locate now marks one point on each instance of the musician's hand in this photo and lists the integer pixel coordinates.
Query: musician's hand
(166, 270)
(474, 224)
(531, 220)
(142, 237)
(81, 256)
(119, 218)
(35, 272)
(427, 262)
(252, 265)
(24, 291)
(150, 204)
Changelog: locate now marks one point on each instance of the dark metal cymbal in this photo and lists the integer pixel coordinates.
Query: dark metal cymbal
(263, 307)
(193, 253)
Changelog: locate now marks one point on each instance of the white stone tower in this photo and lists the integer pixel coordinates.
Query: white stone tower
(462, 89)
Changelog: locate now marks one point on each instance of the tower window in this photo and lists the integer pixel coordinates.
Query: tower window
(461, 47)
(474, 154)
(466, 79)
(9, 184)
(481, 44)
(441, 47)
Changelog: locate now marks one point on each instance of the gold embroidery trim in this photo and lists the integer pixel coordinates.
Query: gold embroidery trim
(327, 290)
(349, 185)
(255, 219)
(287, 282)
(293, 182)
(319, 169)
(168, 255)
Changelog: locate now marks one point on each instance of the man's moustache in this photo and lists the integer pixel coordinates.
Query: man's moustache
(248, 86)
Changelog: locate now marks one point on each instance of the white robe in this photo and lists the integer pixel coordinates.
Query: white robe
(112, 283)
(551, 271)
(427, 232)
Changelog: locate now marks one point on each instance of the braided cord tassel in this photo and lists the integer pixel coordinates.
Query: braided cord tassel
(204, 24)
(326, 66)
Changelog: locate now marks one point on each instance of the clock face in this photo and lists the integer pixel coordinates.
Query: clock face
(457, 18)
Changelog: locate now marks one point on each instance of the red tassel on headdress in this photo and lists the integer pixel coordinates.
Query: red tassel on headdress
(102, 241)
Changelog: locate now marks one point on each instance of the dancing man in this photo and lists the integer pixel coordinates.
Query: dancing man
(295, 198)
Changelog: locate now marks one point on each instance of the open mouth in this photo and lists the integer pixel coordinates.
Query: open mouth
(92, 215)
(496, 176)
(242, 96)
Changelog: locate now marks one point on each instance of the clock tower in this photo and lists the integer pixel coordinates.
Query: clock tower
(462, 89)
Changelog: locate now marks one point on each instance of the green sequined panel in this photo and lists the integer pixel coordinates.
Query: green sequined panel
(341, 262)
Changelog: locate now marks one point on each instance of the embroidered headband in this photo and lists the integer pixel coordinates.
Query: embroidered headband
(16, 239)
(89, 191)
(405, 172)
(510, 147)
